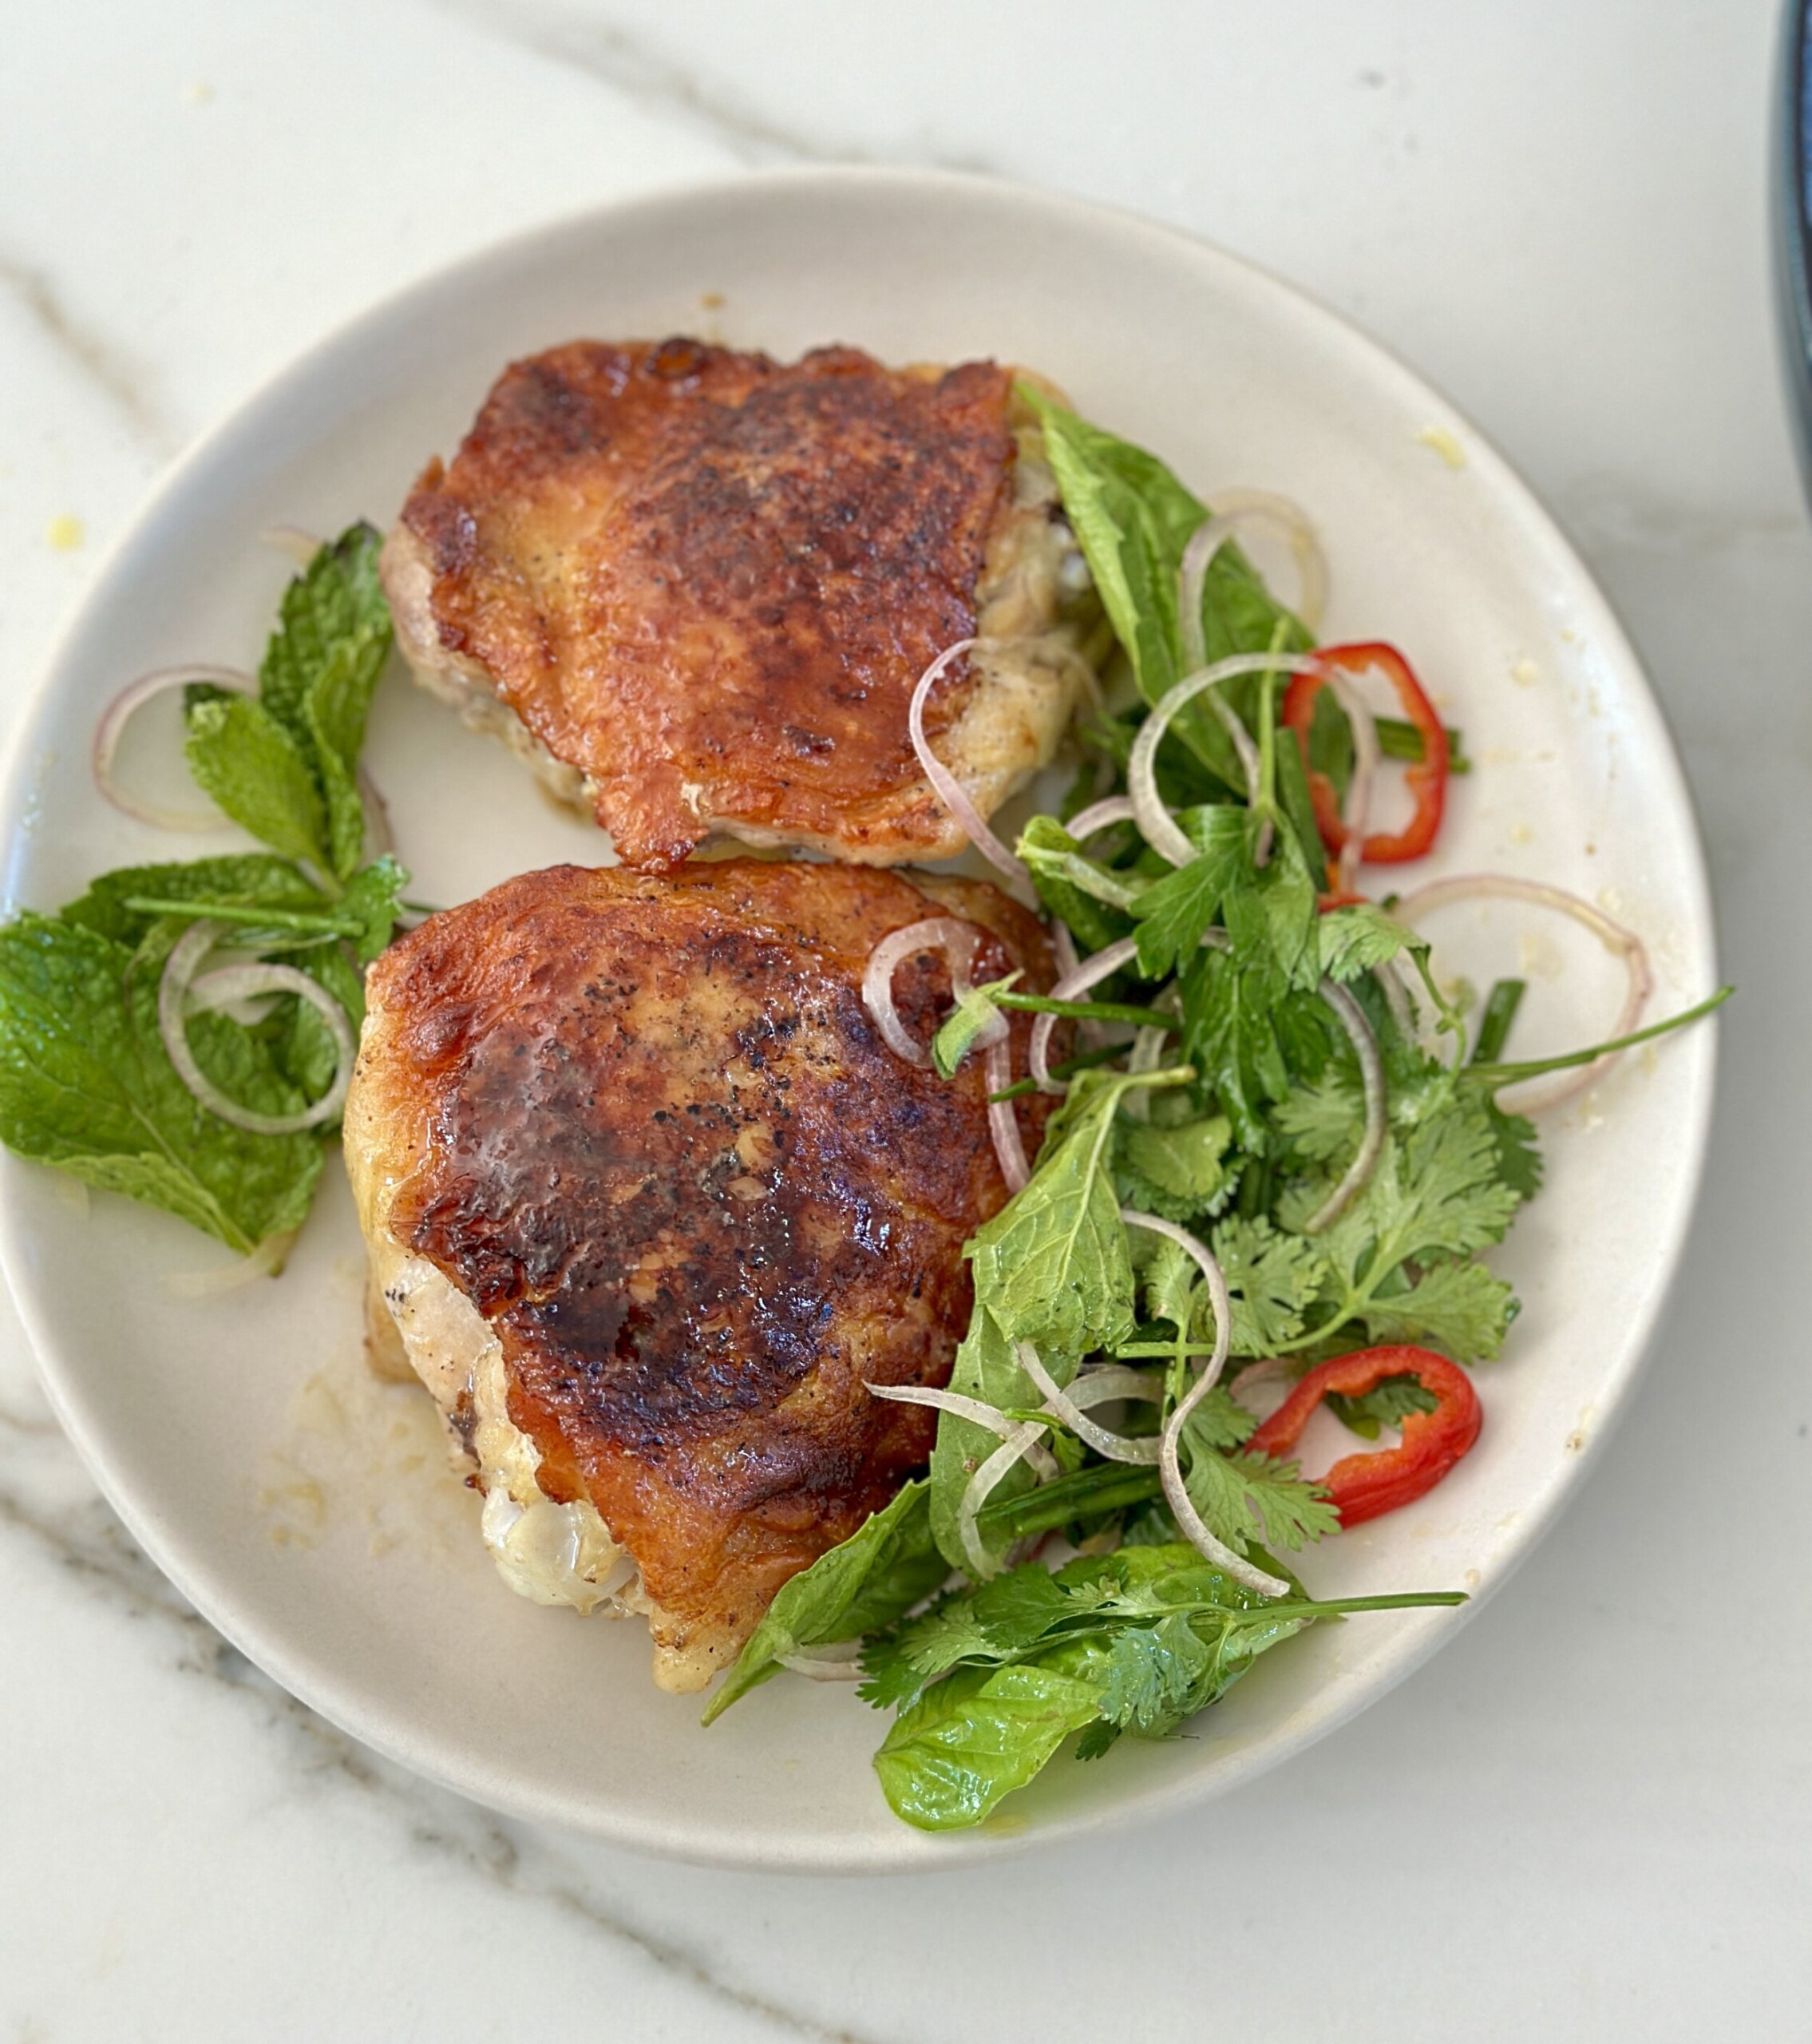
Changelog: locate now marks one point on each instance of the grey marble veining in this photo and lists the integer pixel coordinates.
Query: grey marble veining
(1583, 1820)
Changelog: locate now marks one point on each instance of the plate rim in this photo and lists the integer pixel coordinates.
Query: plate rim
(305, 1676)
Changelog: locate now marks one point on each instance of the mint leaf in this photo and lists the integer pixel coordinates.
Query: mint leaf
(336, 602)
(373, 904)
(255, 769)
(246, 879)
(85, 1085)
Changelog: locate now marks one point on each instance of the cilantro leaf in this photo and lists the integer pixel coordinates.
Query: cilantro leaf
(1360, 937)
(1247, 1497)
(1273, 1279)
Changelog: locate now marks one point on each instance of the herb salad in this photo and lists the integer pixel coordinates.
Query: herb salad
(1278, 1159)
(1288, 1169)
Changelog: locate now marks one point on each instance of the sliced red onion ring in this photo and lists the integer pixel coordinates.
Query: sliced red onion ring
(1351, 1018)
(1233, 510)
(950, 791)
(1098, 815)
(1090, 972)
(266, 1261)
(1117, 1447)
(1169, 1462)
(957, 940)
(1625, 943)
(1159, 827)
(977, 1411)
(1020, 1445)
(120, 712)
(241, 983)
(830, 1664)
(1002, 1121)
(296, 541)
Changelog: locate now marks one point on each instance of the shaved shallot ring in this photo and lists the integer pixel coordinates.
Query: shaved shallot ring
(1233, 510)
(266, 1261)
(1117, 1447)
(241, 983)
(1625, 943)
(1098, 815)
(1351, 1018)
(957, 940)
(1160, 828)
(950, 791)
(977, 1411)
(1003, 1119)
(1021, 1442)
(120, 711)
(296, 541)
(1170, 1464)
(1090, 972)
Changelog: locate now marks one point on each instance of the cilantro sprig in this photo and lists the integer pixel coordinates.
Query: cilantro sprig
(1259, 1111)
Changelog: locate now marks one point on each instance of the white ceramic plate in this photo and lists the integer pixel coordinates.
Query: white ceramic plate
(308, 1510)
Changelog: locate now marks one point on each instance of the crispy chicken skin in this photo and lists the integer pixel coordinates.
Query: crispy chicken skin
(696, 589)
(648, 1199)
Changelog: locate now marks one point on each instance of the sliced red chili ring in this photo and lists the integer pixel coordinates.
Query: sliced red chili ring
(1361, 1487)
(1426, 778)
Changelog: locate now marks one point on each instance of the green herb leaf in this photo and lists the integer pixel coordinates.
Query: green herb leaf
(867, 1582)
(245, 879)
(247, 763)
(1059, 869)
(85, 1085)
(1174, 913)
(1052, 1266)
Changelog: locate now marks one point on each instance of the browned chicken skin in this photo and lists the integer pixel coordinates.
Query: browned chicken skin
(649, 1131)
(697, 587)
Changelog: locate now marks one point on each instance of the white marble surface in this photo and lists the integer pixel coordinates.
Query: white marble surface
(1588, 1817)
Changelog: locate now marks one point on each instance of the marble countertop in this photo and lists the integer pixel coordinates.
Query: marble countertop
(1587, 1817)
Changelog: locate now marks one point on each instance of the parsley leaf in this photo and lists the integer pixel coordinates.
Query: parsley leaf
(1175, 913)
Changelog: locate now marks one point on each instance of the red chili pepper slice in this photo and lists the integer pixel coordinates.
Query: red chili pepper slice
(1426, 778)
(1361, 1487)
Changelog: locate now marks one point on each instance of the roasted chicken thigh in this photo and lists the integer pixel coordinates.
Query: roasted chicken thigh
(696, 589)
(649, 1201)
